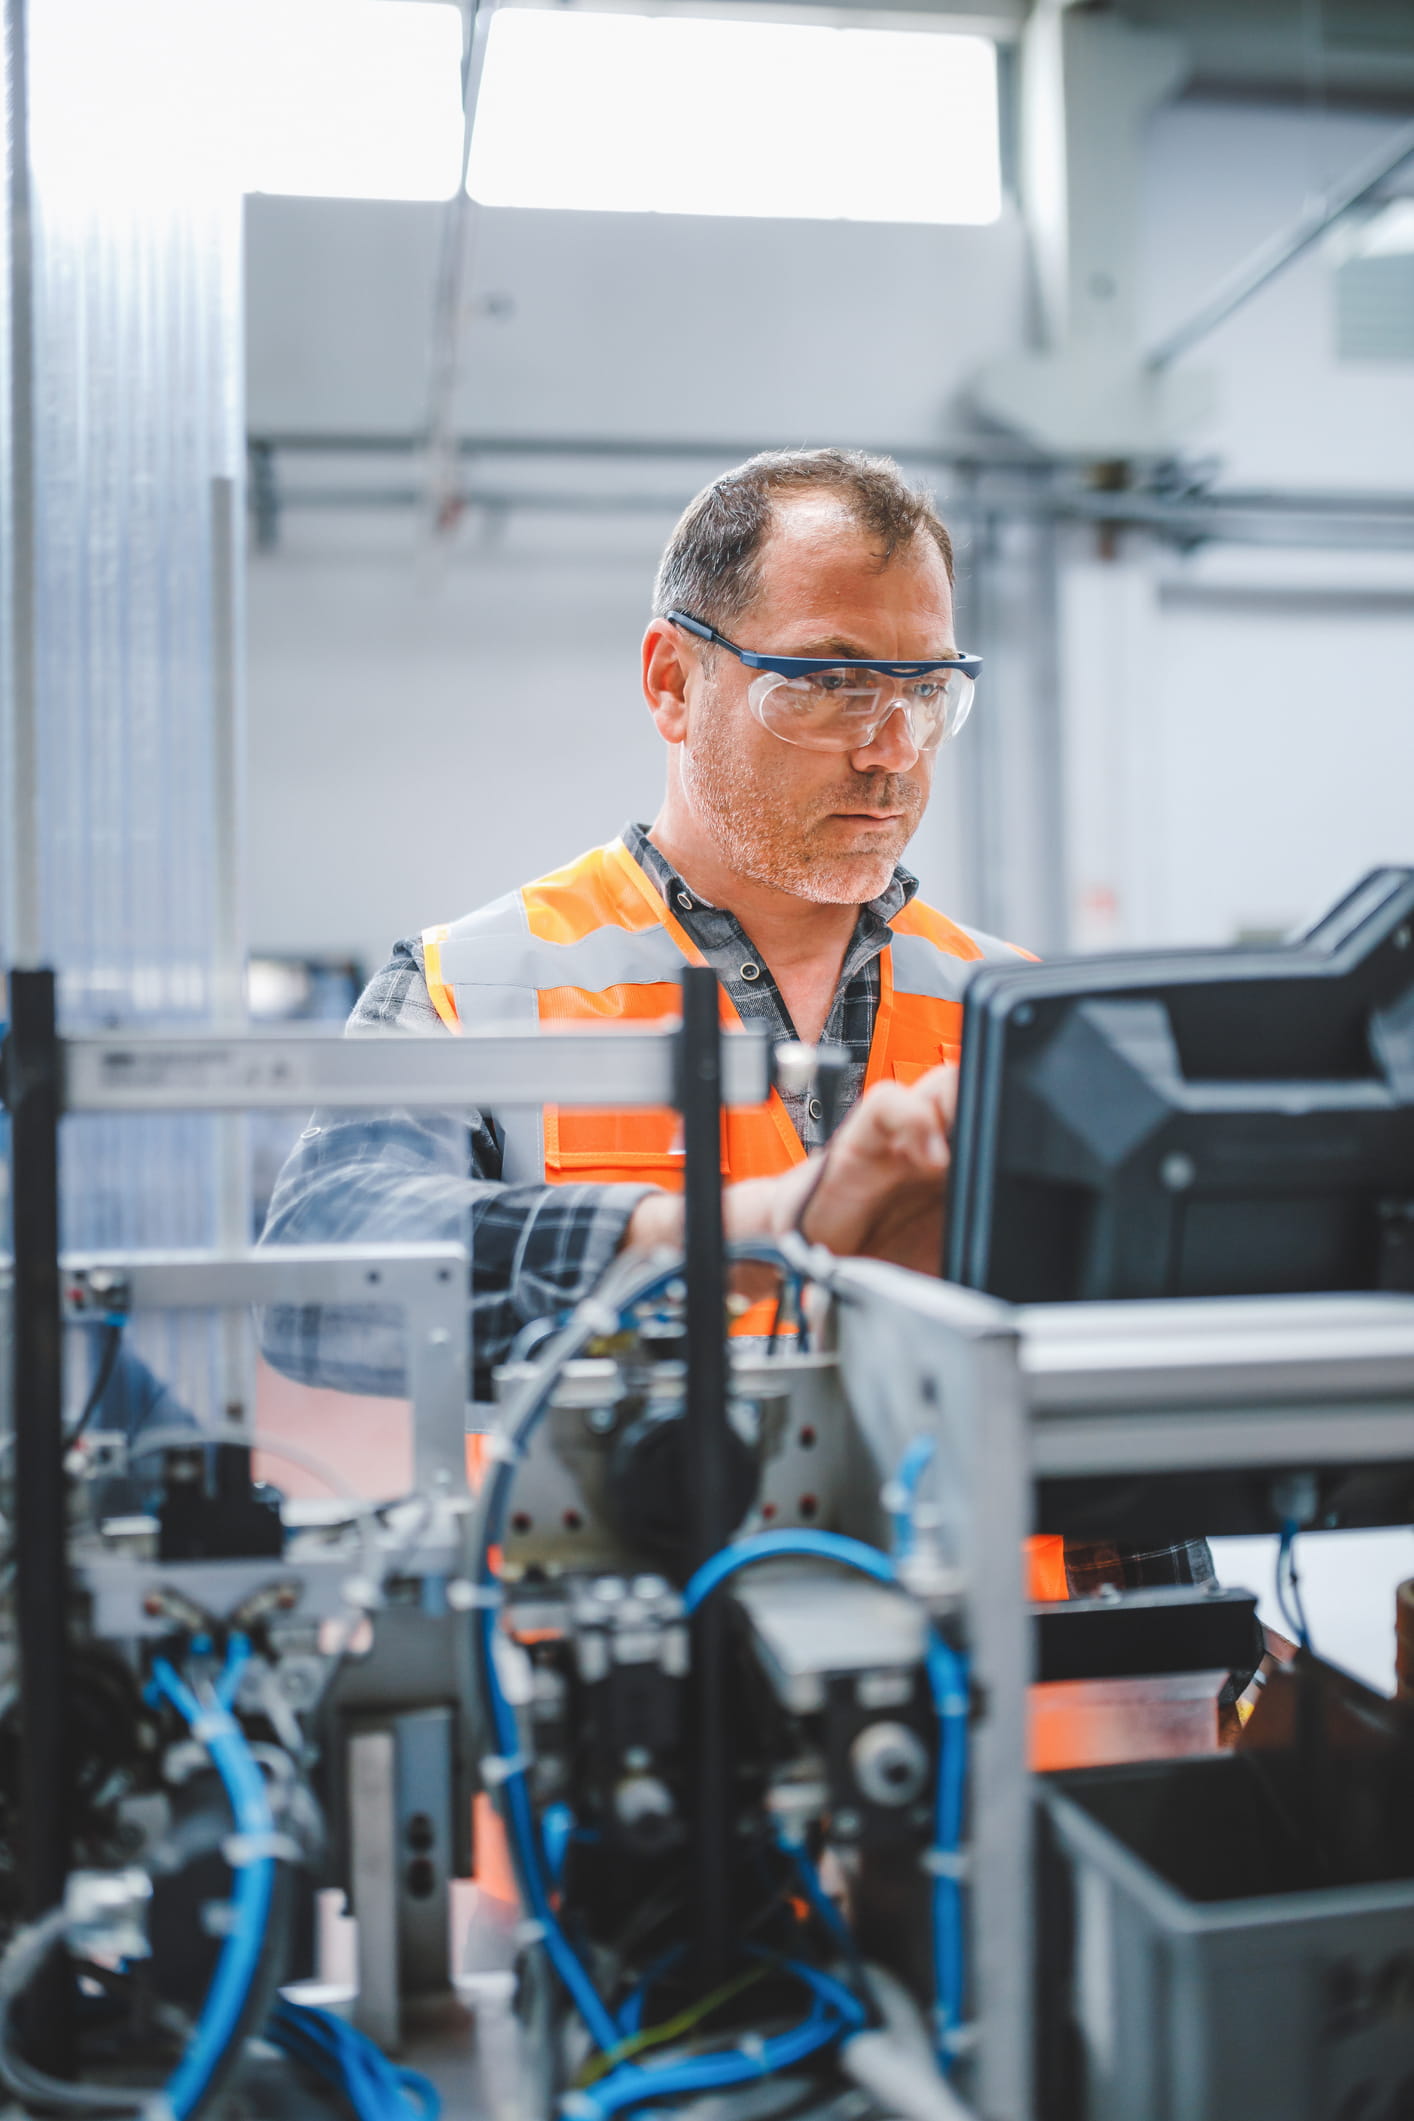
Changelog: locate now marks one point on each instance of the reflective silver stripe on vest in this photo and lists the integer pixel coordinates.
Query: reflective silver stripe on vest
(994, 950)
(495, 967)
(497, 949)
(920, 967)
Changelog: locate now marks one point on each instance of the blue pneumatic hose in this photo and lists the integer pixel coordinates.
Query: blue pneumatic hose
(947, 1680)
(526, 1844)
(774, 1546)
(238, 1968)
(631, 2083)
(521, 1821)
(377, 2089)
(912, 1466)
(833, 2012)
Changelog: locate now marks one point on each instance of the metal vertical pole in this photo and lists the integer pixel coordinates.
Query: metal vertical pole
(981, 755)
(1051, 789)
(700, 1099)
(32, 1091)
(237, 1385)
(21, 835)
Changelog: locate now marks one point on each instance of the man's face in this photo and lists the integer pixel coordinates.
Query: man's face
(825, 826)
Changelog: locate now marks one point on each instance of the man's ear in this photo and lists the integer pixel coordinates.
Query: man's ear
(666, 664)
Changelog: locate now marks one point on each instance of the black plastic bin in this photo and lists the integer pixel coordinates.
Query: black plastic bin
(1218, 1947)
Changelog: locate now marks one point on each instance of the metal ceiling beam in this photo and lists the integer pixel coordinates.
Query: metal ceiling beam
(1262, 267)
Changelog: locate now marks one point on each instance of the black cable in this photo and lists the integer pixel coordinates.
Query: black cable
(102, 1376)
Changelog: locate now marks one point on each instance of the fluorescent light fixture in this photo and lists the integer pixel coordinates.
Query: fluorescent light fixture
(629, 113)
(349, 99)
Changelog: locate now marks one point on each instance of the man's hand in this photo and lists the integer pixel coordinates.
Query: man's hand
(877, 1192)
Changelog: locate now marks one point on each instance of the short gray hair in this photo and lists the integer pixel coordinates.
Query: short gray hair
(712, 563)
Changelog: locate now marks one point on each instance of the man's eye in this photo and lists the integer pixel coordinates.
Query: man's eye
(831, 680)
(926, 690)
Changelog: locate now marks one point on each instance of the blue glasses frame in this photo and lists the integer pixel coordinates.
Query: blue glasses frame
(802, 666)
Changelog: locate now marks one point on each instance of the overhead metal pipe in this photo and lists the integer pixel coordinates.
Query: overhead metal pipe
(1375, 522)
(304, 442)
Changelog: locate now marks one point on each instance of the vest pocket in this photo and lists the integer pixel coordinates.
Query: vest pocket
(629, 1148)
(908, 1071)
(607, 1144)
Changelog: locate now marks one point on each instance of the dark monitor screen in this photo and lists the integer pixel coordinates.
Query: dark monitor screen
(1194, 1123)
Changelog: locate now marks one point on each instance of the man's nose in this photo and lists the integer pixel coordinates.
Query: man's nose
(891, 749)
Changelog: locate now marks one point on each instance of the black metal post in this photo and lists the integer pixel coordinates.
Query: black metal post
(700, 1099)
(32, 1092)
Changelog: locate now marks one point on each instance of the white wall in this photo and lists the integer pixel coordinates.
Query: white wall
(425, 734)
(1242, 721)
(420, 744)
(628, 324)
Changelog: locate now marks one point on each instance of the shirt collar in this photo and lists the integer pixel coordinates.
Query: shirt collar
(901, 887)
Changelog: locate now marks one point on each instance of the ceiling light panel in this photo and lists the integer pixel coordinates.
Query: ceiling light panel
(350, 99)
(664, 114)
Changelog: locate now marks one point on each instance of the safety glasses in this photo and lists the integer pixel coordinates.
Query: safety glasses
(827, 703)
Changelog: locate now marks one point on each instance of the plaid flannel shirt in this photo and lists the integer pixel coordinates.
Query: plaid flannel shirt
(417, 1177)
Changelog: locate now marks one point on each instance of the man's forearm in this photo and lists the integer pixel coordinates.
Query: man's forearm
(754, 1207)
(535, 1249)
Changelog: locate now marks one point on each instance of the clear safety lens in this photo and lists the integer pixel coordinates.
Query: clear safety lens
(843, 710)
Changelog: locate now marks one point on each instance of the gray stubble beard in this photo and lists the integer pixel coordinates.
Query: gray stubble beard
(746, 827)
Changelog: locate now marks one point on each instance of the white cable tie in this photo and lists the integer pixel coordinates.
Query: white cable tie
(599, 1318)
(578, 2106)
(158, 2109)
(501, 1447)
(955, 1864)
(497, 1768)
(241, 1849)
(464, 1596)
(211, 1723)
(530, 1931)
(960, 2039)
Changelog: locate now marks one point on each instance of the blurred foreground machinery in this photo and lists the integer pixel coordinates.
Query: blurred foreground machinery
(806, 1808)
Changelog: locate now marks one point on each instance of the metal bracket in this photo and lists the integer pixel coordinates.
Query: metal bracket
(429, 1282)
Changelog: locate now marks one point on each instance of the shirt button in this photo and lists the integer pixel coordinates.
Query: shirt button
(750, 971)
(815, 1108)
(685, 901)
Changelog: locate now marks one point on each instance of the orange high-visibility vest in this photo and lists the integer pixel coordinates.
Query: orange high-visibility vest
(595, 943)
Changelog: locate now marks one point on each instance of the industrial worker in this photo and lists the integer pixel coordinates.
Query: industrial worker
(802, 668)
